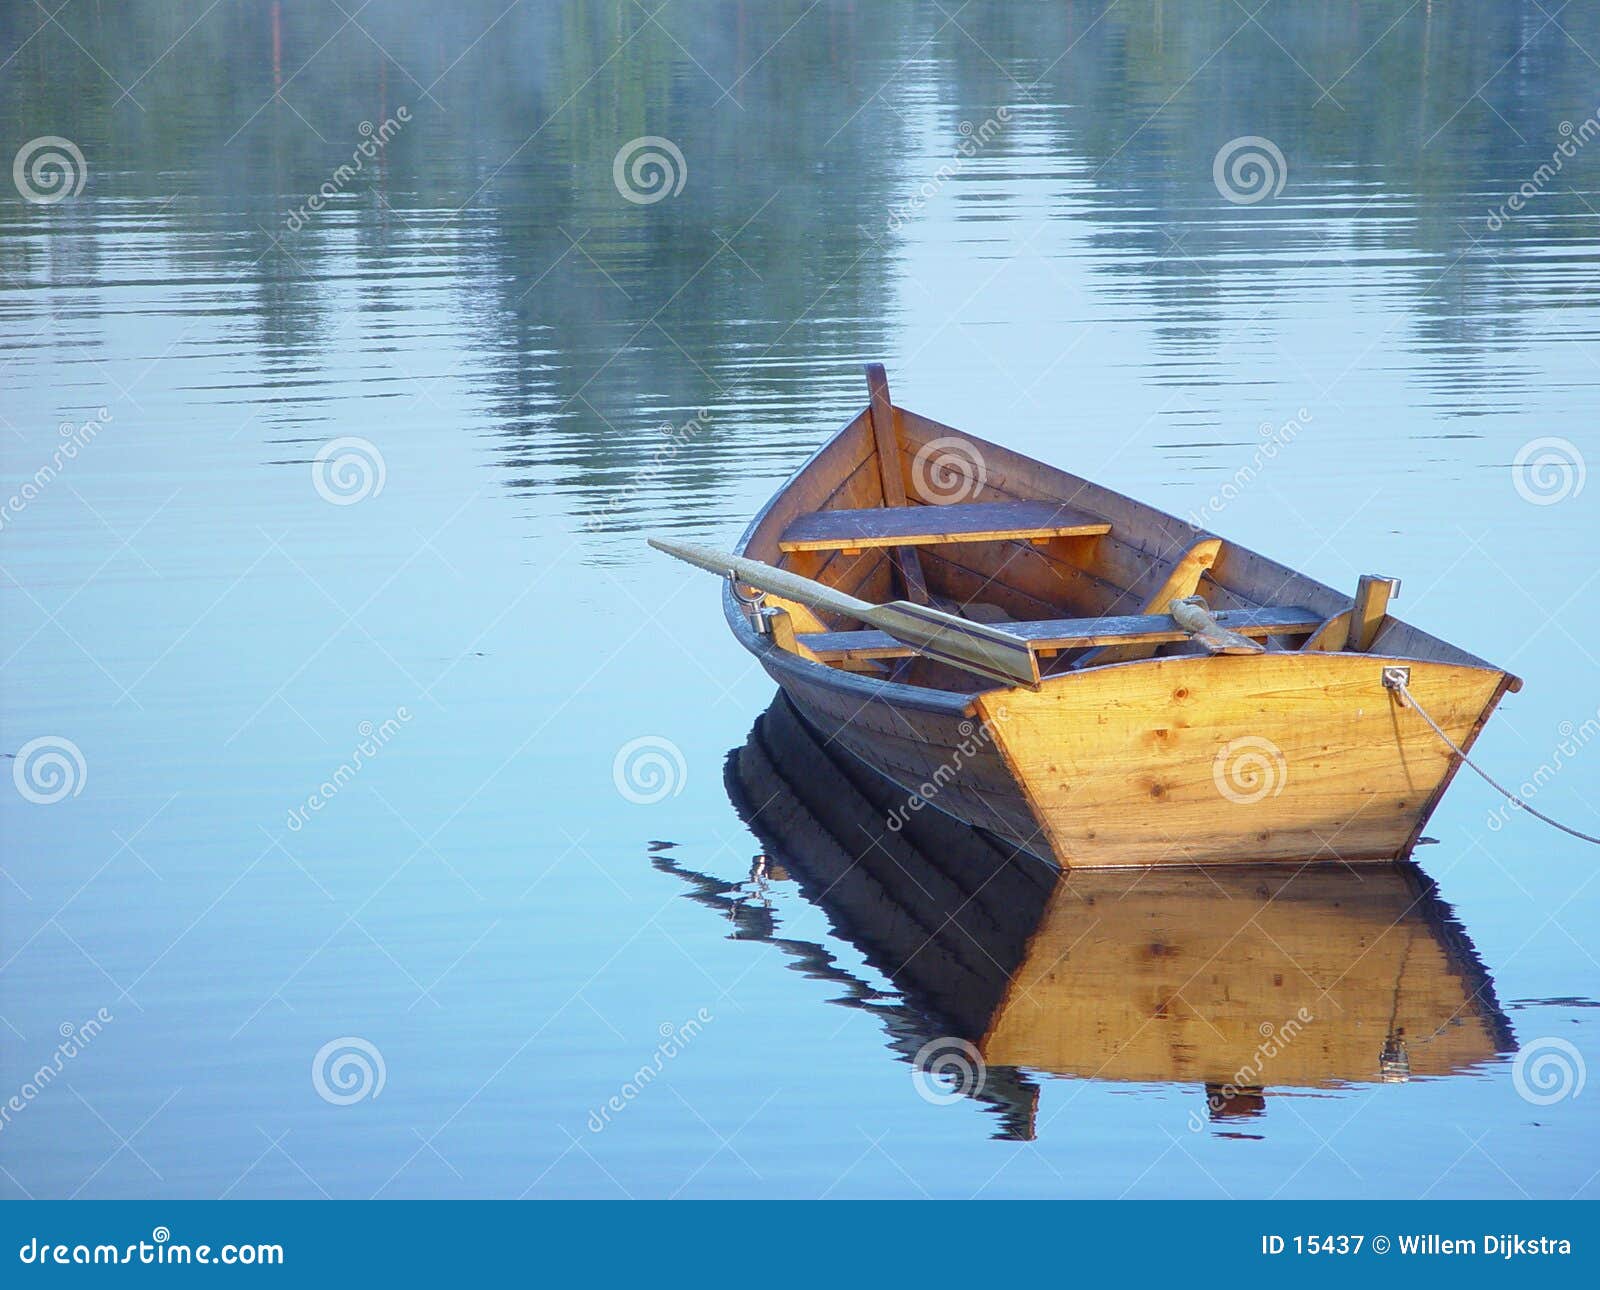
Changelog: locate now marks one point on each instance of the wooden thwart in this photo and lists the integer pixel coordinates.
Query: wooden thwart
(1074, 633)
(931, 525)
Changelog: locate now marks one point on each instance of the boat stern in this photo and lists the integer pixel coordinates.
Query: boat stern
(1212, 760)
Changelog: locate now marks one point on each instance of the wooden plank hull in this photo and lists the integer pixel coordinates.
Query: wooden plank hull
(1178, 758)
(1244, 978)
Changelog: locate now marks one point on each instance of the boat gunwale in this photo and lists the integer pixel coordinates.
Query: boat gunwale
(962, 702)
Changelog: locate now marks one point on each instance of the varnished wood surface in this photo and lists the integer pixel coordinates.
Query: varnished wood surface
(1155, 976)
(1067, 633)
(929, 525)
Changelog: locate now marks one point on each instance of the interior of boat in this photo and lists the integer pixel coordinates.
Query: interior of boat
(899, 507)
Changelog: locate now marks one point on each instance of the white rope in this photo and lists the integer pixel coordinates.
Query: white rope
(1411, 700)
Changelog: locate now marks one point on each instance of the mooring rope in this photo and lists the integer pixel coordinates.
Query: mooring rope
(1400, 688)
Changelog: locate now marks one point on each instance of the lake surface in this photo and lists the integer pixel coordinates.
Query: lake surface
(344, 893)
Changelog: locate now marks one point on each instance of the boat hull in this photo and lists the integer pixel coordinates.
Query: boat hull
(1294, 754)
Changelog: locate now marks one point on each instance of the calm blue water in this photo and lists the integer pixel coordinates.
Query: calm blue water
(207, 624)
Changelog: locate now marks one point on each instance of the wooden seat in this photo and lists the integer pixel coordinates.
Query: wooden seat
(901, 526)
(1073, 633)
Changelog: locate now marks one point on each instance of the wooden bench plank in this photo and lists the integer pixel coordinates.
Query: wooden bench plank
(1074, 633)
(928, 525)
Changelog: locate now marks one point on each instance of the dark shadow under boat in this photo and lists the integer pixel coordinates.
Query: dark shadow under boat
(1233, 978)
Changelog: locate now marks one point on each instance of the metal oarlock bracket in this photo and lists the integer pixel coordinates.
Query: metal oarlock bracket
(753, 605)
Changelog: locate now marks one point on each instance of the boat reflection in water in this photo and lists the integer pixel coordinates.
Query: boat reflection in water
(1234, 979)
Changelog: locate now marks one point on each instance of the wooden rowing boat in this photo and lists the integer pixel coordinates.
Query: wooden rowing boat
(1236, 980)
(1092, 679)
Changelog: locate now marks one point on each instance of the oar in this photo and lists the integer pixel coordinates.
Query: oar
(1194, 616)
(990, 653)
